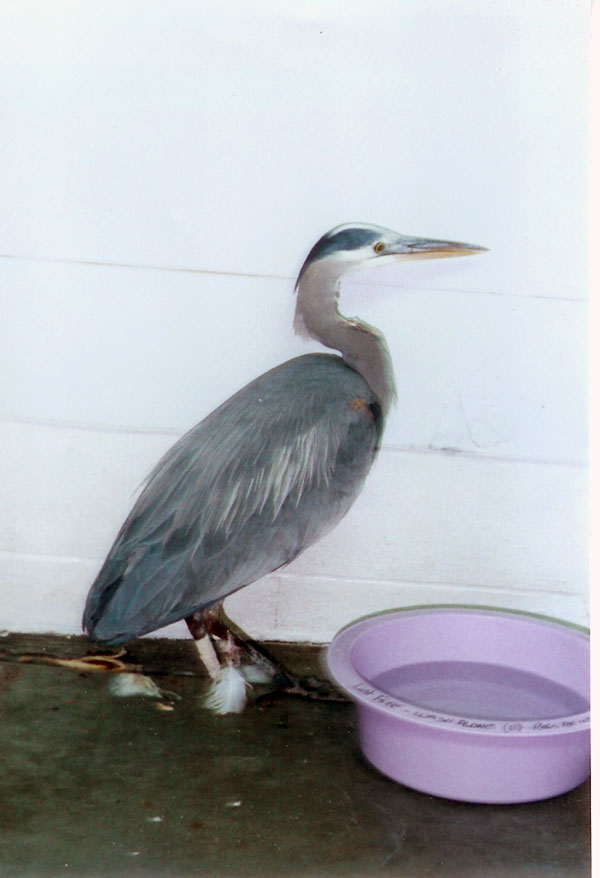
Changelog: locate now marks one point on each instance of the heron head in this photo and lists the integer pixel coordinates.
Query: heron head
(354, 246)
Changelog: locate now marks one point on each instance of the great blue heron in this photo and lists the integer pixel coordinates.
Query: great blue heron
(265, 475)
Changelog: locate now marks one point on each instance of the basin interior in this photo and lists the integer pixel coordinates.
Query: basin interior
(480, 691)
(476, 664)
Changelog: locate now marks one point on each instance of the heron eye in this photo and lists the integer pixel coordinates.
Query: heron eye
(379, 247)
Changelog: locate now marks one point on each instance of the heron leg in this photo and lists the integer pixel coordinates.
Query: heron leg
(221, 657)
(208, 626)
(260, 667)
(242, 654)
(311, 688)
(203, 643)
(256, 660)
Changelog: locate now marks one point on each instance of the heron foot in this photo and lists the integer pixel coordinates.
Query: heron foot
(311, 688)
(231, 659)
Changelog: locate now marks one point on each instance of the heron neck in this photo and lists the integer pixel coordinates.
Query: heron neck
(362, 346)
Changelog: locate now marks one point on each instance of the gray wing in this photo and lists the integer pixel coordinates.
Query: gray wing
(262, 477)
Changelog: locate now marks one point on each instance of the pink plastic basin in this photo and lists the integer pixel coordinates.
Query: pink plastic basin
(476, 705)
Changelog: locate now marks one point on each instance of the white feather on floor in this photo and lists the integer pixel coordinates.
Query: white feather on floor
(126, 684)
(227, 693)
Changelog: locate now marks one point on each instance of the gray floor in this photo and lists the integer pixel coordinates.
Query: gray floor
(92, 785)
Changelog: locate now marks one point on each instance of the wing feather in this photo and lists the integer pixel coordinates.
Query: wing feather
(239, 495)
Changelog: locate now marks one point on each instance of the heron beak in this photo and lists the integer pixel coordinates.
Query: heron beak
(427, 248)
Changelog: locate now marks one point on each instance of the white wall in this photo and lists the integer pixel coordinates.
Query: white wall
(166, 167)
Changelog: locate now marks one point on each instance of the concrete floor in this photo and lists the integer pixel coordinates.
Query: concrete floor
(92, 785)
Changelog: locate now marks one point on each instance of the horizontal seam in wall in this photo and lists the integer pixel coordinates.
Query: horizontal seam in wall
(482, 456)
(57, 260)
(394, 449)
(133, 266)
(92, 428)
(468, 292)
(334, 580)
(395, 583)
(49, 559)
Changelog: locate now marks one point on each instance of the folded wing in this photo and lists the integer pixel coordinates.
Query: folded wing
(247, 489)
